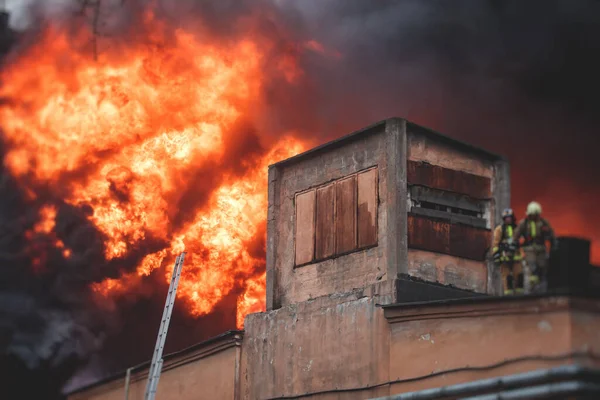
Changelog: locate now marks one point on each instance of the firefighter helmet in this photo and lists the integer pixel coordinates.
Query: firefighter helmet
(534, 208)
(508, 212)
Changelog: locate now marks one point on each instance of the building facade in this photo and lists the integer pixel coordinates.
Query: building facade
(378, 285)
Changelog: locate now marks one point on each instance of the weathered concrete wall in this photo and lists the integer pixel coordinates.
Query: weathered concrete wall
(211, 372)
(585, 329)
(347, 346)
(448, 270)
(428, 345)
(380, 146)
(313, 348)
(426, 148)
(462, 273)
(389, 146)
(484, 339)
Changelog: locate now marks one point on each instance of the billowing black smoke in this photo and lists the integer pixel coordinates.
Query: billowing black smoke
(45, 332)
(50, 325)
(519, 78)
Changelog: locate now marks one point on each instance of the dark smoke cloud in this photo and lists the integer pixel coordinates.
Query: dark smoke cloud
(51, 323)
(48, 323)
(38, 330)
(52, 326)
(519, 78)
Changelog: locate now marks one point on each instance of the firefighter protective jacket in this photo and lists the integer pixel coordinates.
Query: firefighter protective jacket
(502, 235)
(534, 232)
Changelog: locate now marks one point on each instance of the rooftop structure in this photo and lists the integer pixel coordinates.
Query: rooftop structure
(378, 285)
(392, 200)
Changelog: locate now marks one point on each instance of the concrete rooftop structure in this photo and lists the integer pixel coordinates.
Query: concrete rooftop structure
(378, 285)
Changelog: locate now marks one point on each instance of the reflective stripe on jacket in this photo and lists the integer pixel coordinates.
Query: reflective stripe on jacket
(534, 231)
(502, 235)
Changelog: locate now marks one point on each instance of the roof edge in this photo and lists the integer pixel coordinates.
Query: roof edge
(223, 337)
(585, 294)
(374, 127)
(577, 299)
(455, 142)
(333, 143)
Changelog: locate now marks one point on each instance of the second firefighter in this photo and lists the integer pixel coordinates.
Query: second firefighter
(535, 231)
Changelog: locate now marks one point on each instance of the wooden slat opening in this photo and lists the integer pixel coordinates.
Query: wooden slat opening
(325, 222)
(337, 218)
(305, 227)
(440, 236)
(367, 208)
(345, 208)
(433, 176)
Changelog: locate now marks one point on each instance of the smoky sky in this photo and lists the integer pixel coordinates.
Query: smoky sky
(519, 78)
(482, 68)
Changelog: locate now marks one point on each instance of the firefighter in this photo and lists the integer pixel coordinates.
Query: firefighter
(507, 254)
(535, 231)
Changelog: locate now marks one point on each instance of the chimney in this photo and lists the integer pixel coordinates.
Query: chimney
(569, 267)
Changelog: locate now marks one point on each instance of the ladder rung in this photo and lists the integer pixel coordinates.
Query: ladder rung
(156, 365)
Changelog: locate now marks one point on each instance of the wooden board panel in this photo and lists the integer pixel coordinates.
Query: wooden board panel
(367, 208)
(428, 234)
(305, 227)
(421, 173)
(345, 215)
(457, 240)
(469, 242)
(325, 224)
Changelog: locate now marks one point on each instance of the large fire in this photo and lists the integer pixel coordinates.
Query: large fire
(141, 133)
(128, 130)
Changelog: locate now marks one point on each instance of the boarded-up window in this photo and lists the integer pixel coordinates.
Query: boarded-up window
(337, 218)
(345, 211)
(324, 244)
(428, 234)
(367, 208)
(305, 227)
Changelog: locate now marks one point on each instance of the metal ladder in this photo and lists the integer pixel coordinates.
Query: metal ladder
(156, 365)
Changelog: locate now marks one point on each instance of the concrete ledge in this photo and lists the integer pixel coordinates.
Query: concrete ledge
(489, 306)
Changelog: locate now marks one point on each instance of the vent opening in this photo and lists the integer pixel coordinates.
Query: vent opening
(442, 207)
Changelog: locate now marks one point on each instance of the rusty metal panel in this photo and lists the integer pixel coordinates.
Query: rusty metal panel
(433, 176)
(469, 242)
(457, 240)
(367, 208)
(428, 234)
(345, 215)
(325, 225)
(305, 227)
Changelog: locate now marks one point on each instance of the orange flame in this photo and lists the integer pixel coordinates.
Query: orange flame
(127, 133)
(45, 228)
(47, 220)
